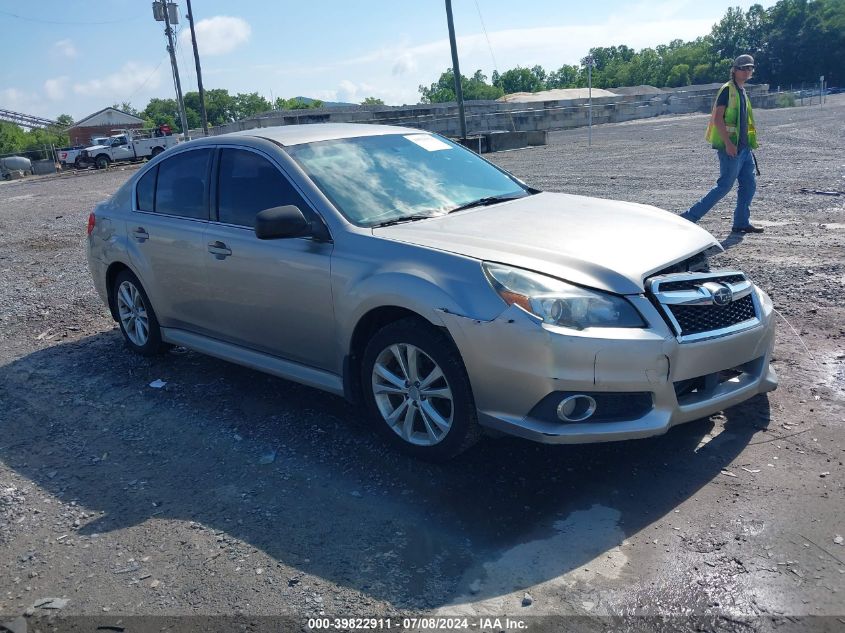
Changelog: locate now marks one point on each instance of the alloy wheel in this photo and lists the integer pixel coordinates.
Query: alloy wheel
(133, 313)
(412, 394)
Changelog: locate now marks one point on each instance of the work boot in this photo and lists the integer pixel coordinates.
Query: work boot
(746, 229)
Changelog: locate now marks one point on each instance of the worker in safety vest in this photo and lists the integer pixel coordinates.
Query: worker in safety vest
(732, 134)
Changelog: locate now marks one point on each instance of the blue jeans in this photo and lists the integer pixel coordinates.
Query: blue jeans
(739, 169)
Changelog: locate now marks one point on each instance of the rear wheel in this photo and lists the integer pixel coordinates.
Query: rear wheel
(417, 391)
(136, 316)
(156, 151)
(103, 161)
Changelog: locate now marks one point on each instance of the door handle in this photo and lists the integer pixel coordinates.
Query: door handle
(140, 234)
(219, 249)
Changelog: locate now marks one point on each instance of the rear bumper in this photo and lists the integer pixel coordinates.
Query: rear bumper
(515, 362)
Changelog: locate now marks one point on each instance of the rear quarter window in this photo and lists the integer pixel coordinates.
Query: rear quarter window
(146, 189)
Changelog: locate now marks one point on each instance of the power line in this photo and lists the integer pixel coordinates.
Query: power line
(85, 23)
(487, 37)
(144, 83)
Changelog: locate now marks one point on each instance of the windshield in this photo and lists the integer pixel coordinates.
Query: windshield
(375, 180)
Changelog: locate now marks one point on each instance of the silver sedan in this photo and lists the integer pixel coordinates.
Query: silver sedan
(396, 268)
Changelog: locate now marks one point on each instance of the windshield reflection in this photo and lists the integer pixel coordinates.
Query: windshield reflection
(378, 179)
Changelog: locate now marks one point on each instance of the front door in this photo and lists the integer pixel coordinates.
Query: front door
(273, 296)
(121, 149)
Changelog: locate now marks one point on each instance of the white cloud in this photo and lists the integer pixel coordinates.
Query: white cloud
(404, 65)
(13, 98)
(218, 35)
(57, 88)
(25, 102)
(123, 84)
(66, 48)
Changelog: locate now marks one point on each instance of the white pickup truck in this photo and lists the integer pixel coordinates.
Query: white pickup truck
(128, 145)
(69, 156)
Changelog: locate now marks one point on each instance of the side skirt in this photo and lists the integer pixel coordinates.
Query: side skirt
(256, 360)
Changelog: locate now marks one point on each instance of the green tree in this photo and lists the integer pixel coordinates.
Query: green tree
(702, 74)
(246, 105)
(567, 76)
(162, 112)
(372, 101)
(296, 103)
(678, 76)
(474, 89)
(730, 35)
(12, 138)
(126, 107)
(64, 120)
(218, 106)
(521, 79)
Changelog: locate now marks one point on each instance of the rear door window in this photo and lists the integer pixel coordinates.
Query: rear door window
(146, 190)
(249, 183)
(182, 187)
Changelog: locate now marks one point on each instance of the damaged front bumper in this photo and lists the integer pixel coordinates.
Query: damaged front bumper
(643, 381)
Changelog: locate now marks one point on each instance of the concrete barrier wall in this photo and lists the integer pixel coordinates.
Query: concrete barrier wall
(489, 116)
(43, 167)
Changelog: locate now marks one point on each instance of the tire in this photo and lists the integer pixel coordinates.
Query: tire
(103, 161)
(434, 421)
(156, 151)
(136, 317)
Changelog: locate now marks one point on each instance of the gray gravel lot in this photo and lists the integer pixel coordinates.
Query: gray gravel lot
(229, 492)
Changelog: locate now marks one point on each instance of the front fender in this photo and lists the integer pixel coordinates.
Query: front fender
(428, 283)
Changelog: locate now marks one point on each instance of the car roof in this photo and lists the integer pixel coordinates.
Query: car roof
(313, 132)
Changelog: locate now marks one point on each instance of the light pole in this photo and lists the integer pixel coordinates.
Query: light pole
(590, 61)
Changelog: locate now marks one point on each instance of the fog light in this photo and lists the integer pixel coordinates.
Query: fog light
(576, 408)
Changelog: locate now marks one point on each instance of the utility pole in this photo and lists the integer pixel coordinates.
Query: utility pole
(161, 12)
(459, 93)
(590, 61)
(199, 72)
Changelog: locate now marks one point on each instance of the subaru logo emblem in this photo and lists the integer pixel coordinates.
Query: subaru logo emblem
(723, 296)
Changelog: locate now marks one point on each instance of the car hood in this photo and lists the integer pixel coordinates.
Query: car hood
(605, 244)
(92, 147)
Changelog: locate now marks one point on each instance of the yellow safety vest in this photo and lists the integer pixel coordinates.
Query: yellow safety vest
(731, 120)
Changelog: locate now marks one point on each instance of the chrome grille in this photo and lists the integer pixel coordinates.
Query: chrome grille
(705, 305)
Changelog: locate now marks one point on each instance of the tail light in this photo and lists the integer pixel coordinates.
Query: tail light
(92, 220)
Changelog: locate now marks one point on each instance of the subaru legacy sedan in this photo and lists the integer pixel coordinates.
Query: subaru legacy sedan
(404, 272)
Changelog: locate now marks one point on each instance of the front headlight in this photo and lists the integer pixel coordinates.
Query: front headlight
(561, 303)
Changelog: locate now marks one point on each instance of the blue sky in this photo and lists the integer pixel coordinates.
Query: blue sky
(72, 57)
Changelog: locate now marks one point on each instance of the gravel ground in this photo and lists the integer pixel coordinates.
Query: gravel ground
(231, 493)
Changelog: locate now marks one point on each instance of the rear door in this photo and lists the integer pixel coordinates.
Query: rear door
(166, 241)
(273, 296)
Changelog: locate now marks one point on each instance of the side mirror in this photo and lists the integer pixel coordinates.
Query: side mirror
(281, 222)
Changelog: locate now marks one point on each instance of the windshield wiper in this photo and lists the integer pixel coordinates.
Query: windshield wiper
(488, 200)
(403, 219)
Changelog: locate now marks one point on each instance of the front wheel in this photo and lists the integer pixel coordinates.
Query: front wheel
(417, 391)
(135, 314)
(103, 161)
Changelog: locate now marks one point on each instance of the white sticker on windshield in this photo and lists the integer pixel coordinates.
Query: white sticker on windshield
(427, 141)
